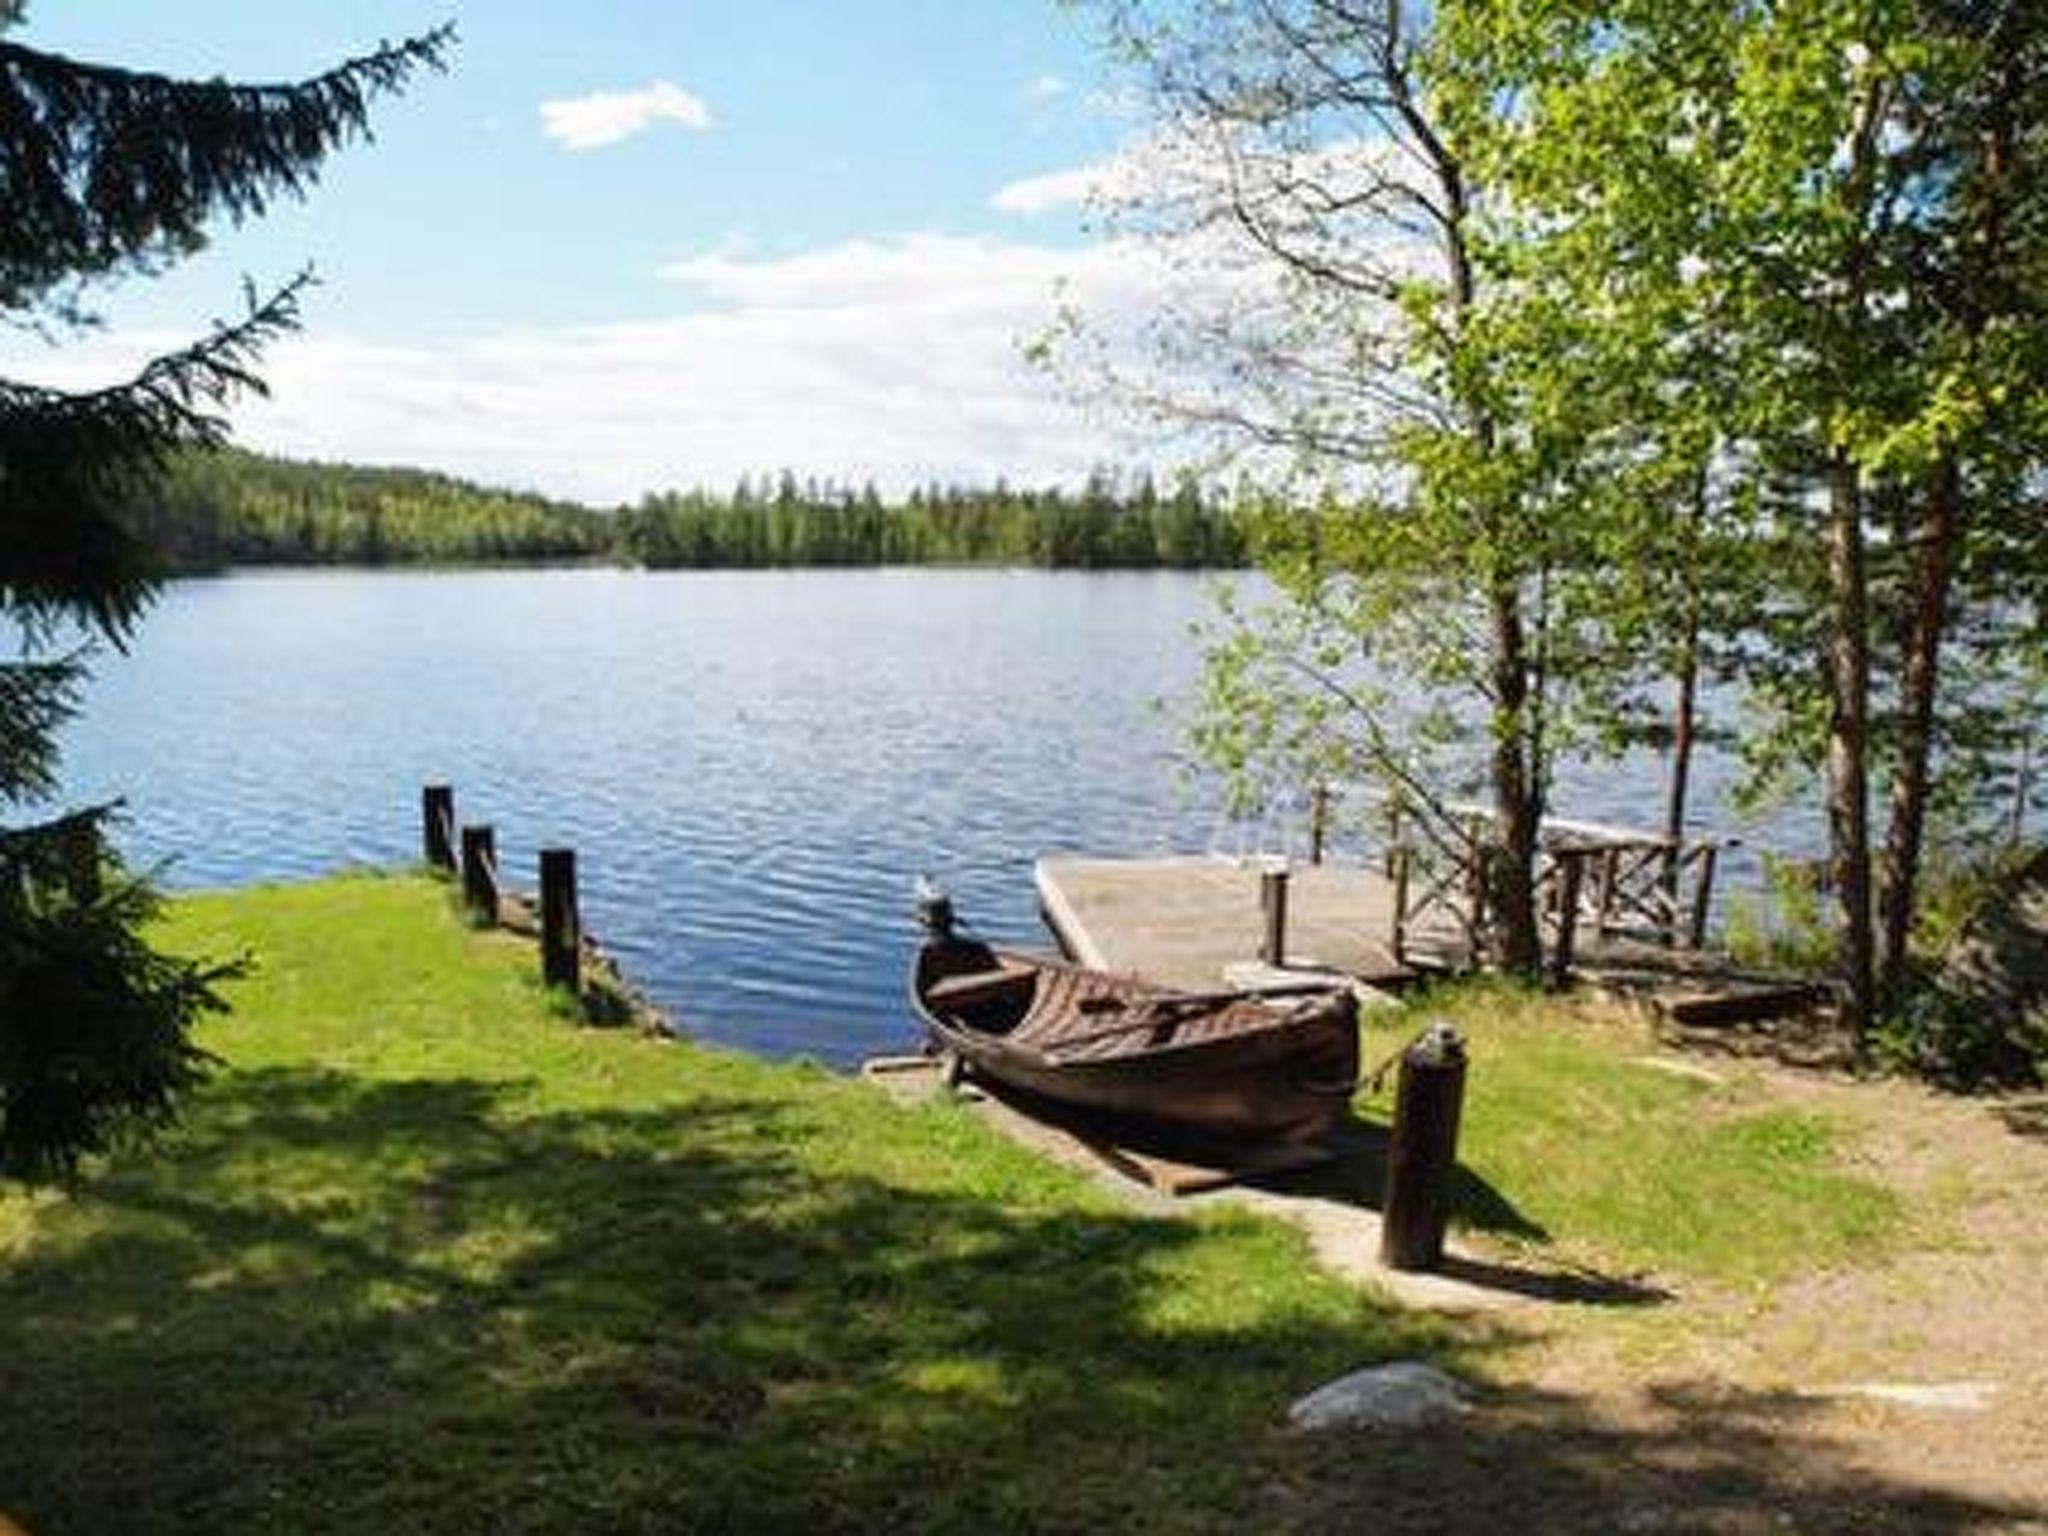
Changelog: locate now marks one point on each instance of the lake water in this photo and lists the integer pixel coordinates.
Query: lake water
(752, 766)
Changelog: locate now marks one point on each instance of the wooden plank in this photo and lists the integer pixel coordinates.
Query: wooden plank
(1182, 919)
(1173, 1176)
(1740, 1005)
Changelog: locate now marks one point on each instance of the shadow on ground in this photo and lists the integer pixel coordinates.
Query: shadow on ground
(2026, 1117)
(342, 1305)
(1357, 1175)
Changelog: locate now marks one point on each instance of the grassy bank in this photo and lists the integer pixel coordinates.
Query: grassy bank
(425, 1257)
(1581, 1140)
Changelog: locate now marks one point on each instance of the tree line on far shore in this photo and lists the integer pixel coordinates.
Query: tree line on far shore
(235, 508)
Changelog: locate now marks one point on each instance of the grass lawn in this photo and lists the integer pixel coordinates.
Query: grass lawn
(425, 1257)
(1576, 1140)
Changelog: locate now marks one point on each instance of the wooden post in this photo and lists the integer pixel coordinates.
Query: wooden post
(1571, 872)
(1273, 902)
(1669, 866)
(82, 861)
(1702, 896)
(1610, 889)
(1422, 1151)
(479, 874)
(1318, 821)
(1403, 857)
(1475, 882)
(437, 822)
(1393, 834)
(561, 928)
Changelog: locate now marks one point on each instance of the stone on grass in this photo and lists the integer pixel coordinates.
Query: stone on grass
(1404, 1395)
(1944, 1396)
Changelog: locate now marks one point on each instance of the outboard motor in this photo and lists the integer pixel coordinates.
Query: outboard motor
(934, 910)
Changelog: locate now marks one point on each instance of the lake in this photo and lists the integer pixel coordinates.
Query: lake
(753, 766)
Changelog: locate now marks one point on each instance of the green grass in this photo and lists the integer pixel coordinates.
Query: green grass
(1570, 1140)
(425, 1257)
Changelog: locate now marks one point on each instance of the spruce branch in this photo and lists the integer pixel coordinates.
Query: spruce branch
(70, 462)
(105, 169)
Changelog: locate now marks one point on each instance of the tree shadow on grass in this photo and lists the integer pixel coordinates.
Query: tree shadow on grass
(339, 1304)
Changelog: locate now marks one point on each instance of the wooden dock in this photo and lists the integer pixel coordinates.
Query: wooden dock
(1195, 921)
(1186, 919)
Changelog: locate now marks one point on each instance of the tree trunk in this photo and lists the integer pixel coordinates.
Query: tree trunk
(1511, 883)
(1918, 682)
(1683, 708)
(1848, 758)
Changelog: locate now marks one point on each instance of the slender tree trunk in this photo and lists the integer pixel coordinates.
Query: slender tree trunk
(1510, 880)
(1918, 683)
(1684, 706)
(1848, 758)
(1518, 946)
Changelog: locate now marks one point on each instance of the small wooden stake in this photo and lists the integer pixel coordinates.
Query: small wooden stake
(1273, 902)
(437, 819)
(1318, 821)
(561, 927)
(1422, 1151)
(479, 885)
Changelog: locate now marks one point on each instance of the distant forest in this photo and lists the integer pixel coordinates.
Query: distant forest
(235, 508)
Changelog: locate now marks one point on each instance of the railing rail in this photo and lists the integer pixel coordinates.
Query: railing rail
(1623, 880)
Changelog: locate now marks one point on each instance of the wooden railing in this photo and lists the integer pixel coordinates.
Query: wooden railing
(1623, 880)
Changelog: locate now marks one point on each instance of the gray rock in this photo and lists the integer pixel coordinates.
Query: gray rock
(1404, 1395)
(1943, 1396)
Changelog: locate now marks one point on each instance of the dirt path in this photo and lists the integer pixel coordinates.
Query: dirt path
(1907, 1395)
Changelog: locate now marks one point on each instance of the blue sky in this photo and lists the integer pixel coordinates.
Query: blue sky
(622, 246)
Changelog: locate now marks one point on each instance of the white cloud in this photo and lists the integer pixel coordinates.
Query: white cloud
(1035, 195)
(1044, 88)
(1151, 170)
(899, 360)
(606, 117)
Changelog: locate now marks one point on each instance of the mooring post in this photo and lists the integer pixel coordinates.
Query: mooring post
(1273, 902)
(480, 874)
(1318, 821)
(437, 821)
(1422, 1152)
(1571, 873)
(561, 928)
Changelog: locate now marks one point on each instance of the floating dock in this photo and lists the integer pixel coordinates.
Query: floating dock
(1186, 919)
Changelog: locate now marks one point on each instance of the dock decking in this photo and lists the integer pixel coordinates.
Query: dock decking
(1183, 919)
(1194, 921)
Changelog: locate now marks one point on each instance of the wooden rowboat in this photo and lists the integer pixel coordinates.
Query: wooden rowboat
(1224, 1067)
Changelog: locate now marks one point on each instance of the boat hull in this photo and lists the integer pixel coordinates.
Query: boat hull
(1219, 1069)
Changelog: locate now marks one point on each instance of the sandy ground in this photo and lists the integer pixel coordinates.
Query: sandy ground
(1910, 1394)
